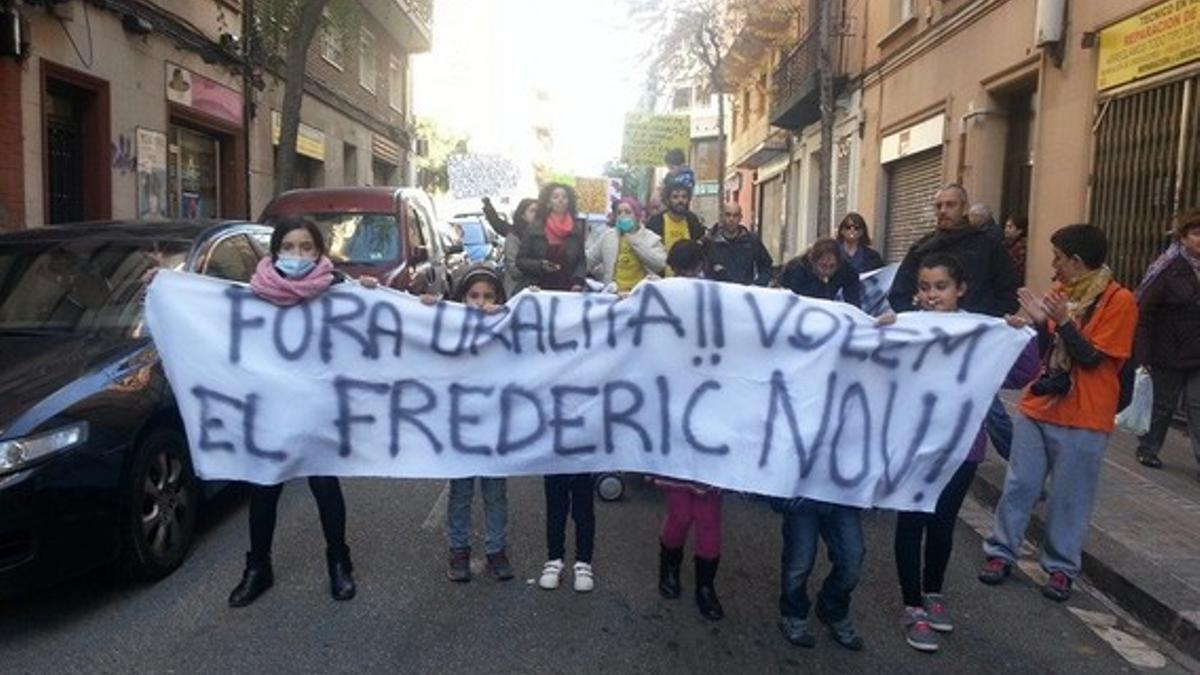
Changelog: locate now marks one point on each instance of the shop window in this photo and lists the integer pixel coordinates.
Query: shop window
(367, 61)
(193, 174)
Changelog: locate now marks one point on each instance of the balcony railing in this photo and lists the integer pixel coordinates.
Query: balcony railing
(795, 85)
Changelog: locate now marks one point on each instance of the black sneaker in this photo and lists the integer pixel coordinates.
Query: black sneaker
(844, 632)
(796, 631)
(1147, 459)
(460, 565)
(499, 566)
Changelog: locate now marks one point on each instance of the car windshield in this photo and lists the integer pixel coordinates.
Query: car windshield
(79, 286)
(359, 238)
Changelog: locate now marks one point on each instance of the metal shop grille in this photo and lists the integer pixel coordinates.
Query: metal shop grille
(912, 183)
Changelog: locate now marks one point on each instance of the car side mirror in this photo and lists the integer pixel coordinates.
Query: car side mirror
(454, 249)
(419, 255)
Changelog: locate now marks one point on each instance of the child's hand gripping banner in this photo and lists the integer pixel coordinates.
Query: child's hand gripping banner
(743, 388)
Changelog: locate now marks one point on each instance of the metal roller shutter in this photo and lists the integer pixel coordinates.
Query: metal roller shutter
(912, 183)
(771, 210)
(1146, 168)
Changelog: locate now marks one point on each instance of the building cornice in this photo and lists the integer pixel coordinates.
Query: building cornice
(929, 40)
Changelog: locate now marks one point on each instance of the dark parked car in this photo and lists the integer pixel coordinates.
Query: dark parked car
(385, 232)
(94, 463)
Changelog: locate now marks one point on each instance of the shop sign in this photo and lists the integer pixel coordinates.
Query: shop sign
(1158, 39)
(197, 92)
(310, 141)
(921, 136)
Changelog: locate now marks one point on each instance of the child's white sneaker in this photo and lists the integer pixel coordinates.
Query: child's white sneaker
(551, 572)
(584, 581)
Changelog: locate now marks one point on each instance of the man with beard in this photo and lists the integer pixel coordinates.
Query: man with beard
(677, 222)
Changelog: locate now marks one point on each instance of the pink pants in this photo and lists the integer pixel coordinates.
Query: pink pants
(685, 506)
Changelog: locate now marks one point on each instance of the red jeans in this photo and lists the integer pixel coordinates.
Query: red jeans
(685, 506)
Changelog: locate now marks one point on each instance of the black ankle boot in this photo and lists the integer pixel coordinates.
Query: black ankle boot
(341, 579)
(257, 578)
(669, 561)
(706, 593)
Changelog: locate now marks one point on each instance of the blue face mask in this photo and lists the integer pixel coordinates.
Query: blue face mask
(626, 224)
(294, 267)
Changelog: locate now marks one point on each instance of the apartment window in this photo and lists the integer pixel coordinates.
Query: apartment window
(682, 100)
(396, 84)
(702, 98)
(332, 42)
(367, 60)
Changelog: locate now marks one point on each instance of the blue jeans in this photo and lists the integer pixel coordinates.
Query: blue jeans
(1072, 458)
(999, 428)
(841, 528)
(495, 513)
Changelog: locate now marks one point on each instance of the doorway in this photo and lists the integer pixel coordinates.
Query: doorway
(75, 137)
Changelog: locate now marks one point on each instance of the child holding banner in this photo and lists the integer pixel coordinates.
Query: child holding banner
(482, 289)
(690, 503)
(297, 270)
(940, 286)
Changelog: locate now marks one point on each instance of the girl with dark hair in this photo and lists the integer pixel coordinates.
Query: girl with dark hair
(553, 257)
(297, 270)
(1016, 232)
(855, 242)
(514, 234)
(924, 541)
(552, 254)
(481, 289)
(823, 272)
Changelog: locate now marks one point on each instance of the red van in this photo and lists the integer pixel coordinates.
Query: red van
(389, 233)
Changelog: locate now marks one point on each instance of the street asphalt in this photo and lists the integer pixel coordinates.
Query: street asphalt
(408, 618)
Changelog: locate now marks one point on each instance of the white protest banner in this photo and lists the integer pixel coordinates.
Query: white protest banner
(749, 389)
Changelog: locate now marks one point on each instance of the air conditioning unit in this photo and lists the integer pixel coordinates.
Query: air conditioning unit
(1050, 22)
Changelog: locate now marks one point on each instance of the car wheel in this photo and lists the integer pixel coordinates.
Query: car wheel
(162, 498)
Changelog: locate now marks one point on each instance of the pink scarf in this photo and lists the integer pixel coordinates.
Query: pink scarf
(558, 228)
(268, 284)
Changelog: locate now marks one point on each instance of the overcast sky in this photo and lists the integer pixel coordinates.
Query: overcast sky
(490, 56)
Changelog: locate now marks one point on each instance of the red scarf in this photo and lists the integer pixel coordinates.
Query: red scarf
(268, 284)
(558, 228)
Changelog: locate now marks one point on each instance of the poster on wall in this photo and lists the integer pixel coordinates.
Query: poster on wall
(151, 174)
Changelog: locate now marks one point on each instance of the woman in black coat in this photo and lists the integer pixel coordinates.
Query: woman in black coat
(1166, 341)
(552, 254)
(823, 272)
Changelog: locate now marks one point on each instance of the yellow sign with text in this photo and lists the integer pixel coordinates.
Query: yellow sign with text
(310, 141)
(1158, 39)
(648, 138)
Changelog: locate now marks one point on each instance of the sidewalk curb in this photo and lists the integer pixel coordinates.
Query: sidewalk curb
(1113, 569)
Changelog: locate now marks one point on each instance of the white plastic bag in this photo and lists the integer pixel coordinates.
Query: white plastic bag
(1136, 417)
